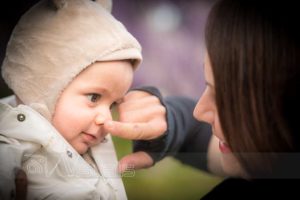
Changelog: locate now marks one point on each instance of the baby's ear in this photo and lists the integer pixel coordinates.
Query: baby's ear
(107, 4)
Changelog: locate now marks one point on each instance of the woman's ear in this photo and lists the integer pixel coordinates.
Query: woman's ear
(107, 4)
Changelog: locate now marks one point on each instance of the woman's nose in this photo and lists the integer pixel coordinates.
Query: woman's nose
(204, 110)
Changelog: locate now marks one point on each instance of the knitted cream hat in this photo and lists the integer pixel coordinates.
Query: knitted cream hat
(55, 40)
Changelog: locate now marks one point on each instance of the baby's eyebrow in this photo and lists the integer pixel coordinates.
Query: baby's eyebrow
(99, 88)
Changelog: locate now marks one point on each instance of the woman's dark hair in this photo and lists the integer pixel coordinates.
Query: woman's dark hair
(253, 47)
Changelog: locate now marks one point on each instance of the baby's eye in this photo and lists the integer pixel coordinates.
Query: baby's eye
(93, 97)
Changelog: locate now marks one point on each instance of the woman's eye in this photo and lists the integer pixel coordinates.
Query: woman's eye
(93, 97)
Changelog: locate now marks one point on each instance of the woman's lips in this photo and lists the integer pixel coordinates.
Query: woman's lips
(223, 146)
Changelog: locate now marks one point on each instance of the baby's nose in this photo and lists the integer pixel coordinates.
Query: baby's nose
(101, 118)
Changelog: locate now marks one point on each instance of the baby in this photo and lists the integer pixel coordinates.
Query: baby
(68, 62)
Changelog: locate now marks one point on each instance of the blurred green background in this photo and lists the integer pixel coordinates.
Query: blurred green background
(168, 179)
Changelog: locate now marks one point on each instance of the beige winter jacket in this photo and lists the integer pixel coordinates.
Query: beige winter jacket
(54, 169)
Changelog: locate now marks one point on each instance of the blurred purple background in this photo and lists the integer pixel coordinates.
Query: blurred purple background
(172, 37)
(170, 32)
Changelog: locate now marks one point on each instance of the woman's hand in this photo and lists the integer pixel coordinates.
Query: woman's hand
(141, 117)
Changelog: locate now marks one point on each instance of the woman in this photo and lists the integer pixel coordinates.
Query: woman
(252, 70)
(255, 67)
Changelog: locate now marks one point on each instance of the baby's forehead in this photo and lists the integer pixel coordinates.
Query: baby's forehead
(110, 80)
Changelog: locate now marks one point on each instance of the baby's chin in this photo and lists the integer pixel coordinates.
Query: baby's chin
(82, 149)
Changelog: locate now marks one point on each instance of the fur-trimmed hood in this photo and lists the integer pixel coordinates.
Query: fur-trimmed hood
(55, 40)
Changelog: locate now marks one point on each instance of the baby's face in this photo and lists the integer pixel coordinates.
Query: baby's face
(86, 102)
